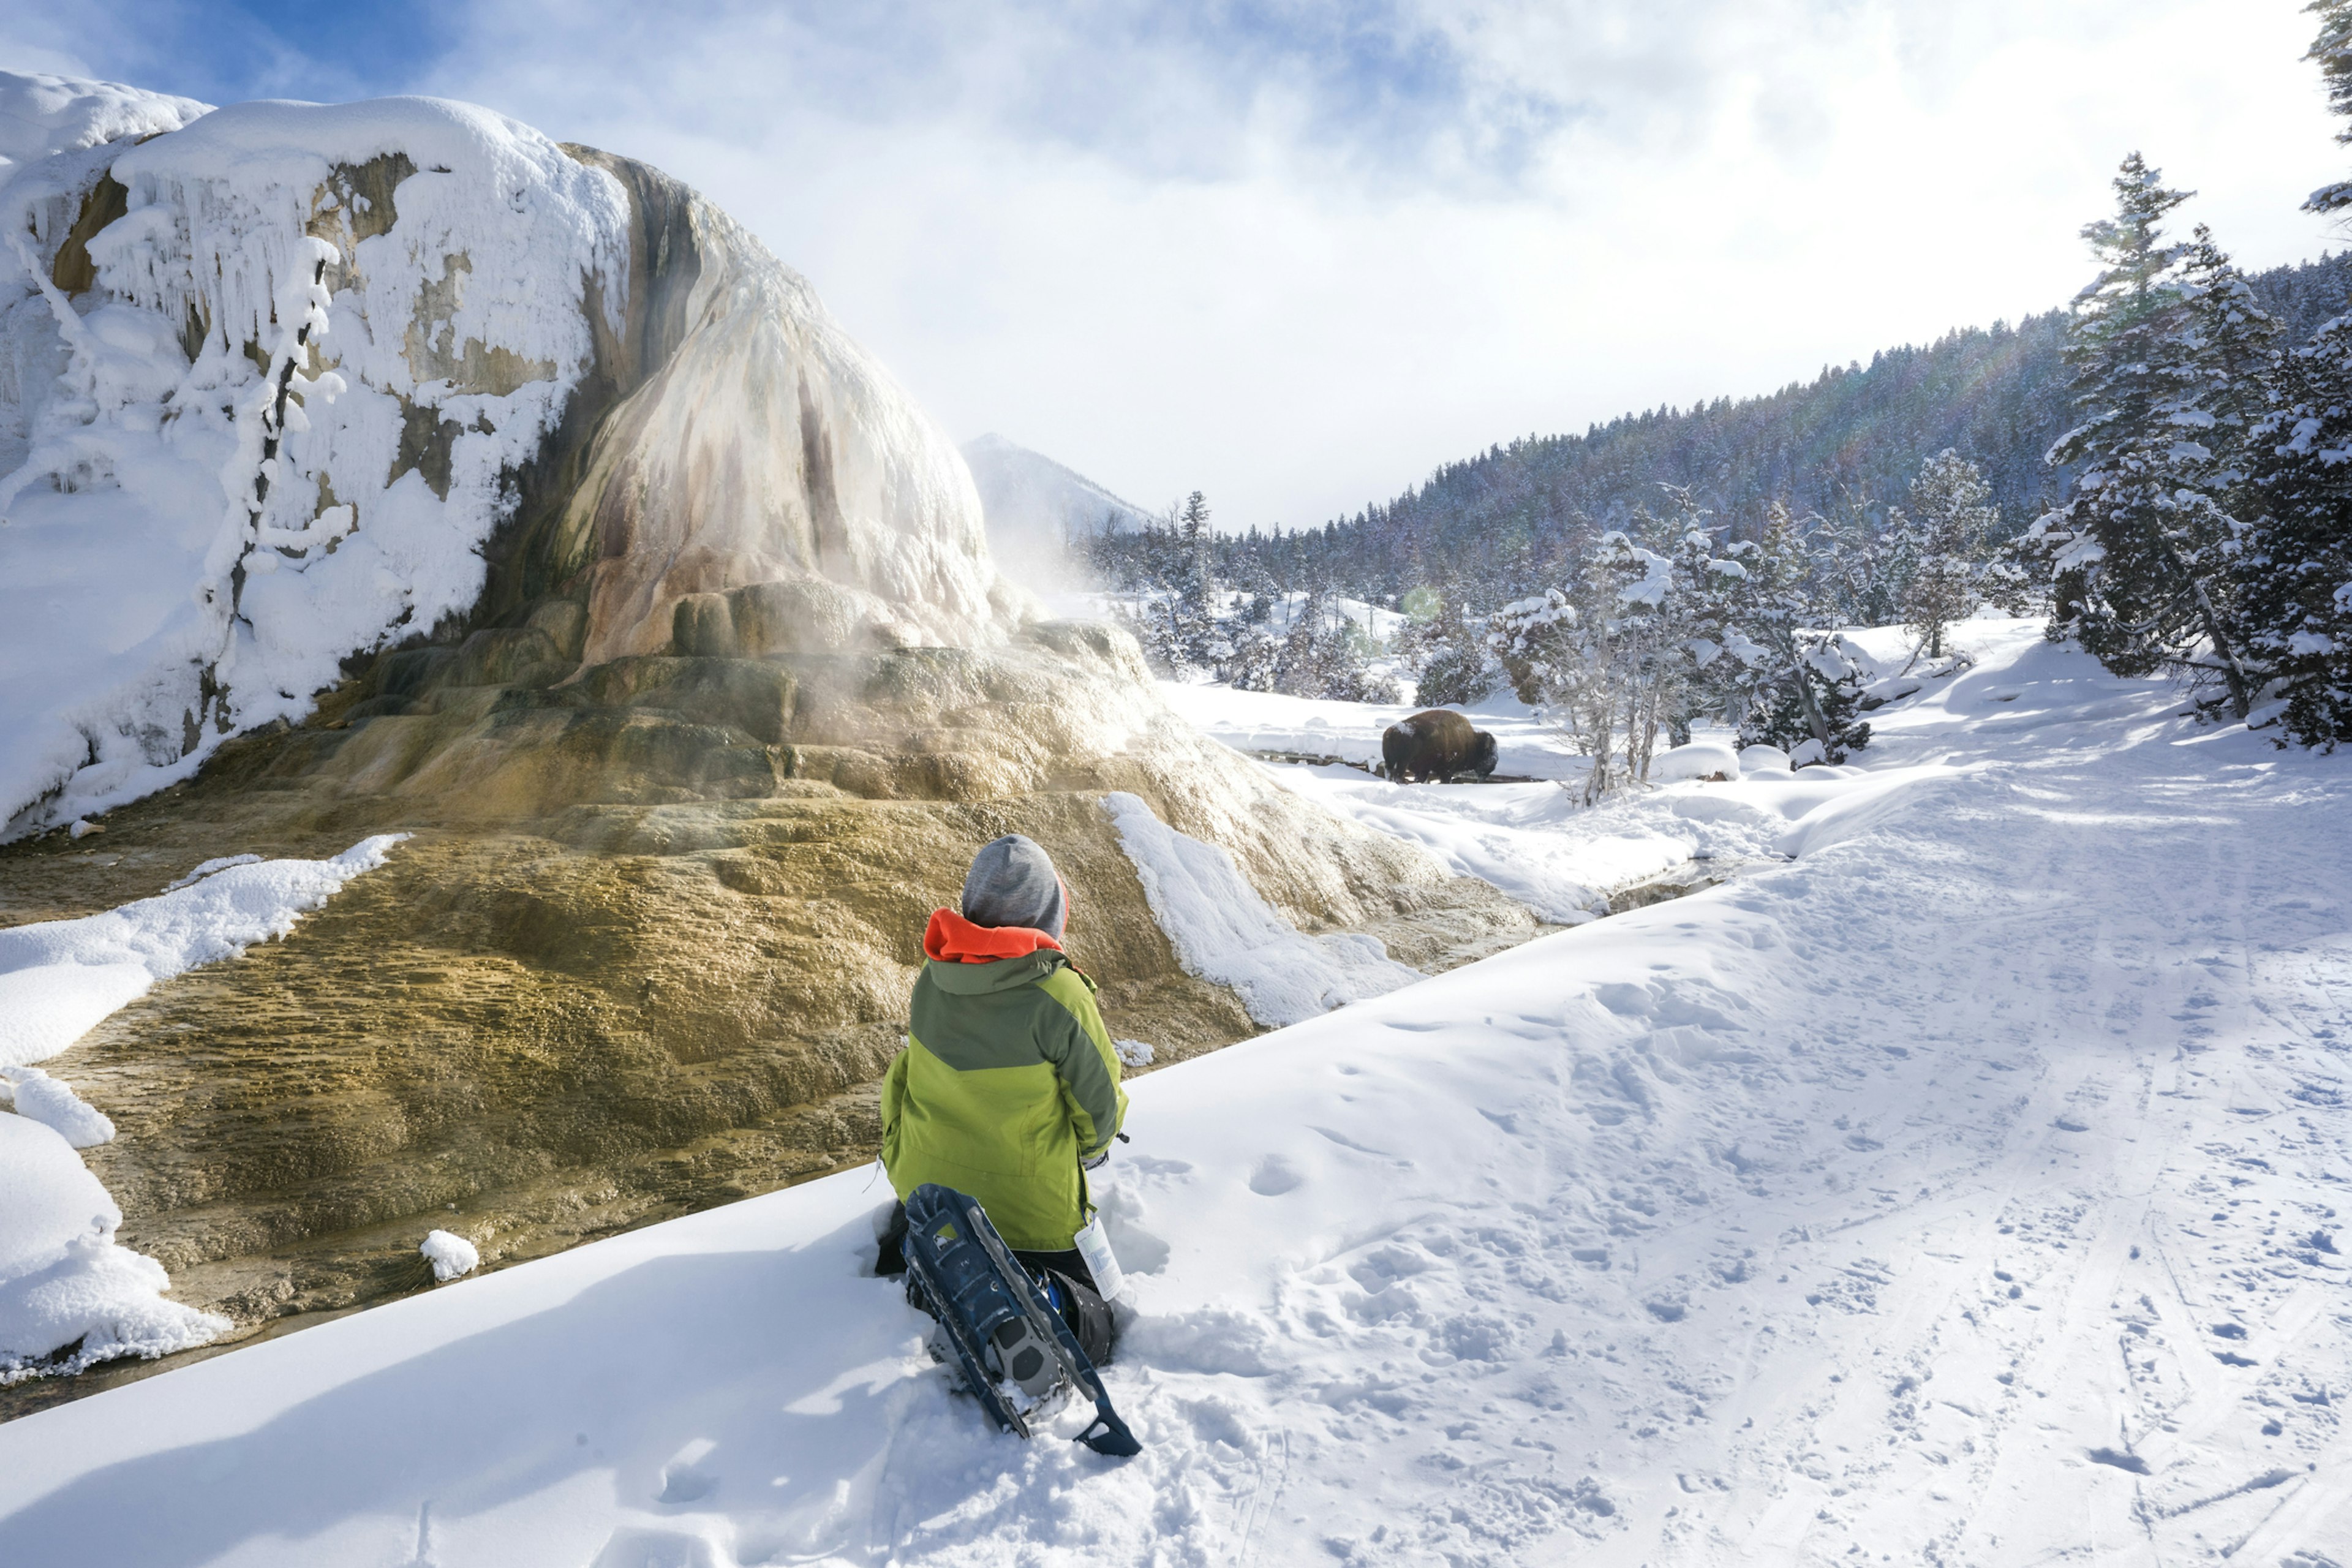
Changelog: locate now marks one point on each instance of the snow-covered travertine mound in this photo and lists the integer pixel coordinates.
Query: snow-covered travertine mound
(770, 451)
(275, 380)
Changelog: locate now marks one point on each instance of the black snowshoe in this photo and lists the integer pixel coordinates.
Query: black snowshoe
(1011, 1343)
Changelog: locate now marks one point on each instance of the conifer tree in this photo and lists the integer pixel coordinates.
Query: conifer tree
(1323, 655)
(2233, 346)
(1254, 650)
(1781, 682)
(1856, 563)
(2332, 49)
(1192, 607)
(1948, 532)
(1448, 655)
(2140, 552)
(2294, 564)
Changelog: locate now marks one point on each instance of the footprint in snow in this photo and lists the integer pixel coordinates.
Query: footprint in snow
(1275, 1176)
(688, 1478)
(1139, 1250)
(2119, 1460)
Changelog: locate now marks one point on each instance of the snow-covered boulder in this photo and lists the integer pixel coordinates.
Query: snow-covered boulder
(1763, 760)
(450, 1254)
(1698, 759)
(54, 1104)
(1893, 688)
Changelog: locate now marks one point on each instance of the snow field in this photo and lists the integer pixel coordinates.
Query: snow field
(1966, 1190)
(62, 1275)
(1531, 840)
(1563, 860)
(1535, 842)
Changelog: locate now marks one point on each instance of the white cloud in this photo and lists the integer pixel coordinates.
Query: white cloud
(1297, 252)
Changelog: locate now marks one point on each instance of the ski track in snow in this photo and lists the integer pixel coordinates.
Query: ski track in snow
(1964, 1191)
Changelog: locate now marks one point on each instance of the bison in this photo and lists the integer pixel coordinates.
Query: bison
(1436, 743)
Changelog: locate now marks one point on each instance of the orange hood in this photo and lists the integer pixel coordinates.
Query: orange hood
(951, 939)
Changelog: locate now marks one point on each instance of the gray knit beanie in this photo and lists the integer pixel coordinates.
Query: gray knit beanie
(1012, 883)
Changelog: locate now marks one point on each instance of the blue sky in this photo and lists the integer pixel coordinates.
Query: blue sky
(1298, 252)
(223, 53)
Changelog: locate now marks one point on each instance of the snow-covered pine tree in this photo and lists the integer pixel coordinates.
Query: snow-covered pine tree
(1560, 658)
(1193, 635)
(1299, 667)
(2233, 350)
(1447, 655)
(1253, 648)
(1608, 654)
(1323, 655)
(1775, 682)
(2139, 554)
(2331, 51)
(1949, 529)
(1854, 563)
(1692, 621)
(1147, 620)
(2293, 567)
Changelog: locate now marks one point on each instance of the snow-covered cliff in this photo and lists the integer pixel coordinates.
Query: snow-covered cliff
(284, 383)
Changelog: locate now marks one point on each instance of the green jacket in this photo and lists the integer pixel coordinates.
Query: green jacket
(1008, 1080)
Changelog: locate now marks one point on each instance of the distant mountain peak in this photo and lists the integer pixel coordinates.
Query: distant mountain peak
(1036, 507)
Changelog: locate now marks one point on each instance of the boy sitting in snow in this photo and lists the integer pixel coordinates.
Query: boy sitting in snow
(1007, 1090)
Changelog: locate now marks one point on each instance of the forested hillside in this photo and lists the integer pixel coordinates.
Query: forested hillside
(1853, 436)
